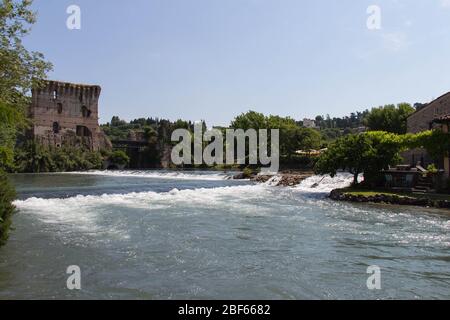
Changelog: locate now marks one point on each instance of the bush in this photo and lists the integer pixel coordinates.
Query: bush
(7, 196)
(119, 158)
(247, 173)
(432, 168)
(436, 142)
(36, 158)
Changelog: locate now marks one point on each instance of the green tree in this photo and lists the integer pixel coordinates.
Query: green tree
(20, 70)
(116, 122)
(7, 195)
(119, 157)
(330, 134)
(386, 149)
(366, 153)
(250, 120)
(33, 157)
(389, 118)
(350, 153)
(295, 138)
(9, 119)
(292, 137)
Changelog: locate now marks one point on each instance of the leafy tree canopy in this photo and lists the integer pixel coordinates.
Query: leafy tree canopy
(389, 118)
(20, 70)
(119, 157)
(373, 151)
(350, 153)
(292, 136)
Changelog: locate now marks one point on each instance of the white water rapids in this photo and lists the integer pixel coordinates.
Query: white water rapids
(194, 235)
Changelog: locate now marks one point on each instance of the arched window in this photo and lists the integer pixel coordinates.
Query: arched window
(55, 127)
(83, 131)
(60, 108)
(86, 113)
(55, 94)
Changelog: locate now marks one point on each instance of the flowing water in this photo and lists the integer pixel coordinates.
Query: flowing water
(199, 235)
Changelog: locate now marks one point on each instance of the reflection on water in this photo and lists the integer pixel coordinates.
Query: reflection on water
(153, 235)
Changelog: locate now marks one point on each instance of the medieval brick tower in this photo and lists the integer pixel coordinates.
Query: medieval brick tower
(66, 114)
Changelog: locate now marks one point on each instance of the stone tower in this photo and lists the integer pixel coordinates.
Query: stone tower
(66, 114)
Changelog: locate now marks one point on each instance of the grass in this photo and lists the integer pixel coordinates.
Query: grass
(372, 193)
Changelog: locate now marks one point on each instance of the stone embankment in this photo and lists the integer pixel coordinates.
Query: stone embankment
(423, 201)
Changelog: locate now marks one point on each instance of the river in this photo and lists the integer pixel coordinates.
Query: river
(199, 235)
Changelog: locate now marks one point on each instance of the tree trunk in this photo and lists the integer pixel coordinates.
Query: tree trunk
(355, 178)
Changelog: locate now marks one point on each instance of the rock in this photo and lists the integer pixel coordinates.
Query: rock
(261, 179)
(285, 179)
(239, 176)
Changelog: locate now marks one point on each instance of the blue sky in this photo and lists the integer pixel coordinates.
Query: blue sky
(214, 59)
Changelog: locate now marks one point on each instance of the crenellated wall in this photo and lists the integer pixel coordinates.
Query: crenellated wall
(66, 113)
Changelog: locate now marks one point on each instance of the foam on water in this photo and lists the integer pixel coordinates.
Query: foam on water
(82, 210)
(274, 181)
(185, 175)
(325, 184)
(204, 196)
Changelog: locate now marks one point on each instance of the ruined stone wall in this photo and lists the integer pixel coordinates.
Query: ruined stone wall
(66, 113)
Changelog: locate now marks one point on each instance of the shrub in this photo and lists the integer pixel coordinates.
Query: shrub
(33, 157)
(247, 173)
(432, 168)
(119, 158)
(436, 142)
(7, 196)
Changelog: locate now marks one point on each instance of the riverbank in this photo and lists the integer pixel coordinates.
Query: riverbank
(391, 197)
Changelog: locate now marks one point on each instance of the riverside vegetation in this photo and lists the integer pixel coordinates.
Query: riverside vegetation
(19, 71)
(369, 153)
